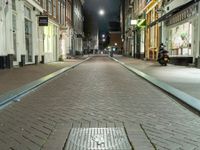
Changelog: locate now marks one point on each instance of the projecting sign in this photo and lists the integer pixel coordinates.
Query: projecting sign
(43, 20)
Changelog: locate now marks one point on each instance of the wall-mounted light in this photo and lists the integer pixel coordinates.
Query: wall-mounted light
(133, 22)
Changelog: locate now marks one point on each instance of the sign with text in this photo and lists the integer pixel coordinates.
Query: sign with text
(43, 20)
(183, 14)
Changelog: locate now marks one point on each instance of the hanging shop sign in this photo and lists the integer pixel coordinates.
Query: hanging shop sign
(183, 15)
(43, 20)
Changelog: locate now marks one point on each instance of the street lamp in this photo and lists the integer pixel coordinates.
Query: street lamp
(103, 35)
(101, 12)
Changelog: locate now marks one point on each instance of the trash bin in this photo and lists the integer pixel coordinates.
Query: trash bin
(111, 53)
(36, 59)
(42, 59)
(2, 62)
(9, 61)
(22, 63)
(198, 62)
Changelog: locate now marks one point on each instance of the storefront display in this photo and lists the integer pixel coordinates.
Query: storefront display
(180, 40)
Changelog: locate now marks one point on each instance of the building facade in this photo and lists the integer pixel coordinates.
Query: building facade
(128, 37)
(181, 31)
(153, 30)
(174, 23)
(34, 31)
(139, 29)
(78, 19)
(20, 32)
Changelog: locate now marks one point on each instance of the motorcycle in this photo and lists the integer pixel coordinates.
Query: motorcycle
(163, 57)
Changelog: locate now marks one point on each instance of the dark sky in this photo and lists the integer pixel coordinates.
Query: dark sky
(112, 10)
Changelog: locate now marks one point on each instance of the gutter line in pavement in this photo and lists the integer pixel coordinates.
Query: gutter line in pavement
(25, 89)
(184, 97)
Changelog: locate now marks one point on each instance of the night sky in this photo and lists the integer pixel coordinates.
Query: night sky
(112, 12)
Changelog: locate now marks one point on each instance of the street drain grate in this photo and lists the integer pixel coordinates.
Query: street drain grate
(97, 139)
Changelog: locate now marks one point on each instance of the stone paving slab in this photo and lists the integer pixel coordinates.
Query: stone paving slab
(99, 93)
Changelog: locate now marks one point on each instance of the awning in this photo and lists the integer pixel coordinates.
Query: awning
(172, 12)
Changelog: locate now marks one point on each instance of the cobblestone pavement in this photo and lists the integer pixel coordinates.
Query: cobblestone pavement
(98, 93)
(185, 78)
(13, 78)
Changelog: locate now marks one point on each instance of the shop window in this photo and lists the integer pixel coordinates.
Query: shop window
(152, 37)
(181, 40)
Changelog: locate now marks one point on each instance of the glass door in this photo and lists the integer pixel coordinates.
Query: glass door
(28, 35)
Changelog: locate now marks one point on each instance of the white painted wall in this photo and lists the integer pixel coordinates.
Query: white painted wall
(2, 27)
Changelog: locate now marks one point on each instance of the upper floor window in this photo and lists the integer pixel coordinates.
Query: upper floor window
(59, 16)
(54, 9)
(39, 1)
(13, 5)
(50, 6)
(27, 13)
(62, 13)
(45, 4)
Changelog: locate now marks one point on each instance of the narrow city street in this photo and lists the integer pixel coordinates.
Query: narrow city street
(98, 93)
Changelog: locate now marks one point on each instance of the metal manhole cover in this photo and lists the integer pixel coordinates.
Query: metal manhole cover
(97, 139)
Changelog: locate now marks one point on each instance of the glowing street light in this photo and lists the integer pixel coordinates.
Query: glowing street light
(101, 12)
(103, 35)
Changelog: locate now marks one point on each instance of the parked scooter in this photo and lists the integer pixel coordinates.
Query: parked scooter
(163, 57)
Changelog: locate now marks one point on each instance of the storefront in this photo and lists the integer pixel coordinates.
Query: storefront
(140, 37)
(180, 40)
(51, 37)
(152, 34)
(182, 35)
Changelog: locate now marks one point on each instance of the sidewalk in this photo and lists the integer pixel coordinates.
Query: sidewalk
(184, 78)
(16, 77)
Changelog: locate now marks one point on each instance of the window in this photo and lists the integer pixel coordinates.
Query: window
(54, 9)
(27, 12)
(45, 4)
(180, 40)
(14, 25)
(50, 6)
(39, 1)
(28, 34)
(62, 14)
(59, 15)
(13, 5)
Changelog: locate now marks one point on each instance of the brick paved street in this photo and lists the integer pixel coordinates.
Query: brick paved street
(98, 93)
